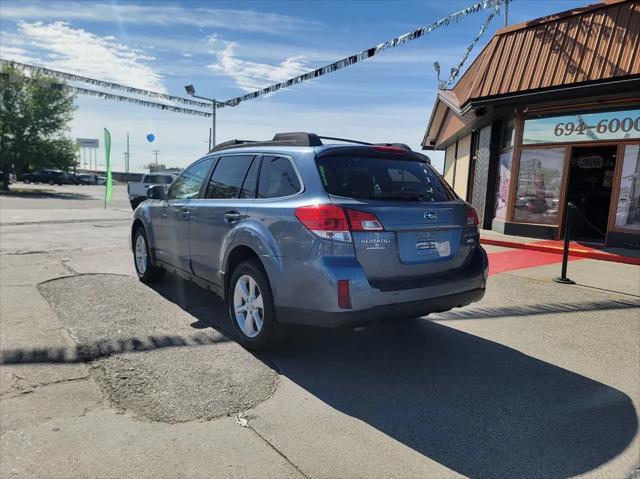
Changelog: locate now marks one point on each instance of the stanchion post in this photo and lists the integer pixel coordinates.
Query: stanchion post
(567, 238)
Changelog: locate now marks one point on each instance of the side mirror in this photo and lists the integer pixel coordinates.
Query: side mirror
(156, 192)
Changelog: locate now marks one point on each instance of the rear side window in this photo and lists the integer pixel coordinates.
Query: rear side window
(401, 179)
(277, 178)
(228, 176)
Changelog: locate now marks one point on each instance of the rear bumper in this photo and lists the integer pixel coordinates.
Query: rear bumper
(305, 292)
(388, 312)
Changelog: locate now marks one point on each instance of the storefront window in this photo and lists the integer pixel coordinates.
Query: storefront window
(628, 210)
(539, 182)
(504, 177)
(507, 134)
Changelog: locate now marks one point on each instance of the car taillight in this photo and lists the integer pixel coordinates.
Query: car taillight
(472, 217)
(336, 223)
(363, 221)
(326, 221)
(390, 149)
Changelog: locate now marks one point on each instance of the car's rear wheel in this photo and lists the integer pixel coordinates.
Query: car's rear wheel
(251, 308)
(146, 271)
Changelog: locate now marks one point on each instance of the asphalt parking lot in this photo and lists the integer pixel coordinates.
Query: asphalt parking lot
(102, 376)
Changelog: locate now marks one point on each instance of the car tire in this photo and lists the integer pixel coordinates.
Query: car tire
(251, 308)
(135, 204)
(51, 182)
(147, 272)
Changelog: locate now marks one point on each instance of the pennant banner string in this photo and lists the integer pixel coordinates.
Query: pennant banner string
(137, 101)
(343, 63)
(370, 52)
(456, 71)
(101, 83)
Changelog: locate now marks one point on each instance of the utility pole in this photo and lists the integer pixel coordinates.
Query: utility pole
(127, 156)
(156, 153)
(506, 13)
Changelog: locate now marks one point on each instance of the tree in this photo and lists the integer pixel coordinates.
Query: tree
(34, 115)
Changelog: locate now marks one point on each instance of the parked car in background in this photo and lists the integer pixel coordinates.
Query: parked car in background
(51, 177)
(137, 190)
(296, 231)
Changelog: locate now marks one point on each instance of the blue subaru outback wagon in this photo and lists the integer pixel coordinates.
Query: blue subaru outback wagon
(297, 230)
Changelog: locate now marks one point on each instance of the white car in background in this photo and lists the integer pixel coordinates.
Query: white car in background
(137, 190)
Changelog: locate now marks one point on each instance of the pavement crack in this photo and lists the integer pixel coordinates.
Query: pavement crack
(278, 451)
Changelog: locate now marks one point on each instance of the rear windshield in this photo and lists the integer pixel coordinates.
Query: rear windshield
(158, 179)
(381, 178)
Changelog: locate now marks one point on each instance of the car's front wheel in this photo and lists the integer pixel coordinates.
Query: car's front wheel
(146, 271)
(251, 308)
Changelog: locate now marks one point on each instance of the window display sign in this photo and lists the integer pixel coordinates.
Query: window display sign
(539, 182)
(504, 177)
(604, 125)
(628, 209)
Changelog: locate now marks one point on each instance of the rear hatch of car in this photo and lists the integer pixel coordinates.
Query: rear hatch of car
(409, 228)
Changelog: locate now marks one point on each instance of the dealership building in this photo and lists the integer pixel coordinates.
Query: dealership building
(549, 113)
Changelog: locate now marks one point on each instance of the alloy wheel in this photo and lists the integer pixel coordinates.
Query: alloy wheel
(141, 255)
(248, 306)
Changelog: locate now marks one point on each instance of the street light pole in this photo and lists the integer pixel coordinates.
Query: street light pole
(214, 106)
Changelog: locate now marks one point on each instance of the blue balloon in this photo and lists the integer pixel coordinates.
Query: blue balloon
(151, 137)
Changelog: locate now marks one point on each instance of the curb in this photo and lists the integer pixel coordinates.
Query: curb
(573, 251)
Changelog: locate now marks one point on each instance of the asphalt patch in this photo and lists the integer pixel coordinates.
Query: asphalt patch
(147, 356)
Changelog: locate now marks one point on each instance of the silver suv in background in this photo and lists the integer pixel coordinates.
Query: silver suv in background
(296, 231)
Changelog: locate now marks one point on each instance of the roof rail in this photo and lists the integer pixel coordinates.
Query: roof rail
(297, 139)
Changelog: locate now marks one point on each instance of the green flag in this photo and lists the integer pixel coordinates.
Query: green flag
(107, 151)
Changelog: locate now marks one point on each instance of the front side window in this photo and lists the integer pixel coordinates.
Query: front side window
(228, 176)
(539, 182)
(379, 178)
(277, 178)
(188, 185)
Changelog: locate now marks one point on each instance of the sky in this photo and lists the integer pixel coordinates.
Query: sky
(226, 49)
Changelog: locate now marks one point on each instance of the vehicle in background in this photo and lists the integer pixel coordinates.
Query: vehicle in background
(51, 177)
(296, 231)
(85, 179)
(11, 177)
(137, 190)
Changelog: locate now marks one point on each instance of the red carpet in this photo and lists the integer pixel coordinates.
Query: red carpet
(520, 259)
(556, 246)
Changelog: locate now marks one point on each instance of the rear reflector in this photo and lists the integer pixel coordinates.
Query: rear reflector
(472, 217)
(336, 223)
(344, 297)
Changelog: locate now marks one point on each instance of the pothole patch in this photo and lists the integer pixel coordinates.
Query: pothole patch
(147, 357)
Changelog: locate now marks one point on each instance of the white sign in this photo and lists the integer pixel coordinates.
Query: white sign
(604, 125)
(87, 142)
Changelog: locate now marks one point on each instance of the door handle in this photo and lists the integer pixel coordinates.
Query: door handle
(184, 213)
(232, 216)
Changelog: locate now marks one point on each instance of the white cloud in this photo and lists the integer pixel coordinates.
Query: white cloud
(250, 75)
(158, 14)
(59, 47)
